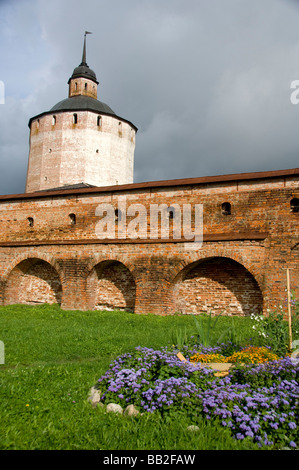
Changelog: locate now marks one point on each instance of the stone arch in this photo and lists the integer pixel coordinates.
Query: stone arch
(32, 281)
(111, 286)
(217, 284)
(20, 257)
(253, 263)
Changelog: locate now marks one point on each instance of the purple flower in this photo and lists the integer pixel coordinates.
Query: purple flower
(248, 411)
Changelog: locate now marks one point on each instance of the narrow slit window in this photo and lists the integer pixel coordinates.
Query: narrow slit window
(99, 120)
(30, 221)
(226, 208)
(76, 86)
(171, 212)
(85, 86)
(294, 205)
(75, 118)
(53, 120)
(72, 219)
(117, 215)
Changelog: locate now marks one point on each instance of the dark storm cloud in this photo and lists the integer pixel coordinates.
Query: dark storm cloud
(207, 82)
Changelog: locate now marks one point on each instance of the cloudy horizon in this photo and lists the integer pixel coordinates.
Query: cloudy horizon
(206, 82)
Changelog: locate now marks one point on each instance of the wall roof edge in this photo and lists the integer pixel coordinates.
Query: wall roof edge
(238, 177)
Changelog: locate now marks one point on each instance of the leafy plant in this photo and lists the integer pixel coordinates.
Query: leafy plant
(231, 336)
(295, 318)
(179, 337)
(205, 330)
(273, 331)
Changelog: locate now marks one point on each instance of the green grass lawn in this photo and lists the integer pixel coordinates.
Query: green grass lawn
(54, 357)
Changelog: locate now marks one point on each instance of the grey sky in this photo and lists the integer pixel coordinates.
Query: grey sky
(207, 82)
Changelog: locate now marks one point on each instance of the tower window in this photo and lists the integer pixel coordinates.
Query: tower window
(99, 120)
(72, 219)
(119, 129)
(226, 208)
(294, 205)
(37, 124)
(76, 86)
(53, 120)
(85, 86)
(30, 221)
(75, 118)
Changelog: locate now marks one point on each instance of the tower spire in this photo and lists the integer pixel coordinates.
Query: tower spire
(82, 71)
(84, 49)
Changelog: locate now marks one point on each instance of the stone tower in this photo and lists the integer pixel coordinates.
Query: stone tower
(80, 141)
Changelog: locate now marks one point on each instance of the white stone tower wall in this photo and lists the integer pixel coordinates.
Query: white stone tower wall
(63, 153)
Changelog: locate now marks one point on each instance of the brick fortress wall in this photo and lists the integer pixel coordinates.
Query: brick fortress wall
(240, 268)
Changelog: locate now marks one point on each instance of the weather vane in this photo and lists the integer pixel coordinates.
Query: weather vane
(84, 49)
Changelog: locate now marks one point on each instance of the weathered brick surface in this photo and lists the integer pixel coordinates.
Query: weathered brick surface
(240, 269)
(219, 286)
(68, 153)
(114, 287)
(33, 282)
(83, 86)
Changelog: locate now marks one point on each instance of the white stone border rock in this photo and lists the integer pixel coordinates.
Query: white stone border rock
(95, 400)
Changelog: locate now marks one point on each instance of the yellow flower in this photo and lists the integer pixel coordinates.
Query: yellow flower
(27, 404)
(254, 355)
(249, 355)
(207, 358)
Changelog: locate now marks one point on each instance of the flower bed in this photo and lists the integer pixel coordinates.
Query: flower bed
(257, 401)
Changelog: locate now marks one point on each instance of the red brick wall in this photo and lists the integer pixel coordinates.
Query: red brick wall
(218, 285)
(154, 275)
(33, 282)
(113, 287)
